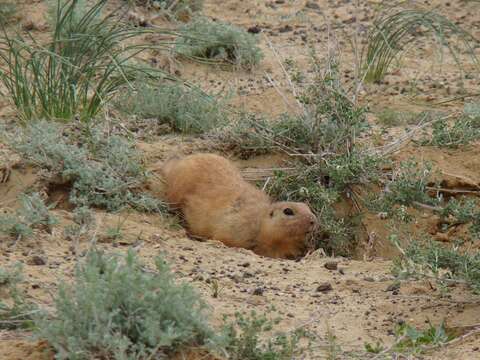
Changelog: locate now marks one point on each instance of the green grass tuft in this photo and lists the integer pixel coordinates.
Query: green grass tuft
(77, 71)
(397, 29)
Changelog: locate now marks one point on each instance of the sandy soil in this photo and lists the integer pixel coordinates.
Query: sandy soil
(359, 308)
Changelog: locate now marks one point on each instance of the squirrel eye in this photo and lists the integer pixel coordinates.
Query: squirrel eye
(288, 211)
(271, 214)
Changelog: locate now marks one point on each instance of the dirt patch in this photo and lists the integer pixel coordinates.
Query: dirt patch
(25, 350)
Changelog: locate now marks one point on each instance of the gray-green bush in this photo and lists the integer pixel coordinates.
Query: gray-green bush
(205, 39)
(33, 213)
(8, 9)
(180, 108)
(15, 310)
(115, 309)
(102, 170)
(462, 131)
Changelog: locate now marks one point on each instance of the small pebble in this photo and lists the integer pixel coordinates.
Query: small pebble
(331, 265)
(325, 287)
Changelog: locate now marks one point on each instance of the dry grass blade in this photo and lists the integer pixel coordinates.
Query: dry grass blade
(394, 32)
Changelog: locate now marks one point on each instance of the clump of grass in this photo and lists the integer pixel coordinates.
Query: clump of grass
(114, 309)
(205, 39)
(446, 264)
(244, 339)
(390, 117)
(15, 311)
(409, 184)
(8, 9)
(398, 28)
(77, 71)
(57, 8)
(183, 109)
(251, 135)
(33, 213)
(462, 131)
(105, 172)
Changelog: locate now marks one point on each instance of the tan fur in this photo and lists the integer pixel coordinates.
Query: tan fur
(218, 203)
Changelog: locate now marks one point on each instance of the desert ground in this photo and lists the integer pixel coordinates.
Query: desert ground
(344, 301)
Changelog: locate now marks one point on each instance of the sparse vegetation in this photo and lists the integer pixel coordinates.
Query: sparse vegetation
(172, 104)
(76, 72)
(462, 131)
(398, 28)
(412, 341)
(204, 39)
(407, 187)
(463, 211)
(115, 309)
(8, 9)
(77, 64)
(16, 311)
(105, 172)
(390, 118)
(178, 8)
(446, 264)
(244, 339)
(324, 140)
(32, 214)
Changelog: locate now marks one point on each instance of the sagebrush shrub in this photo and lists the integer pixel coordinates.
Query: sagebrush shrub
(16, 312)
(33, 213)
(205, 39)
(183, 109)
(106, 171)
(8, 9)
(115, 309)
